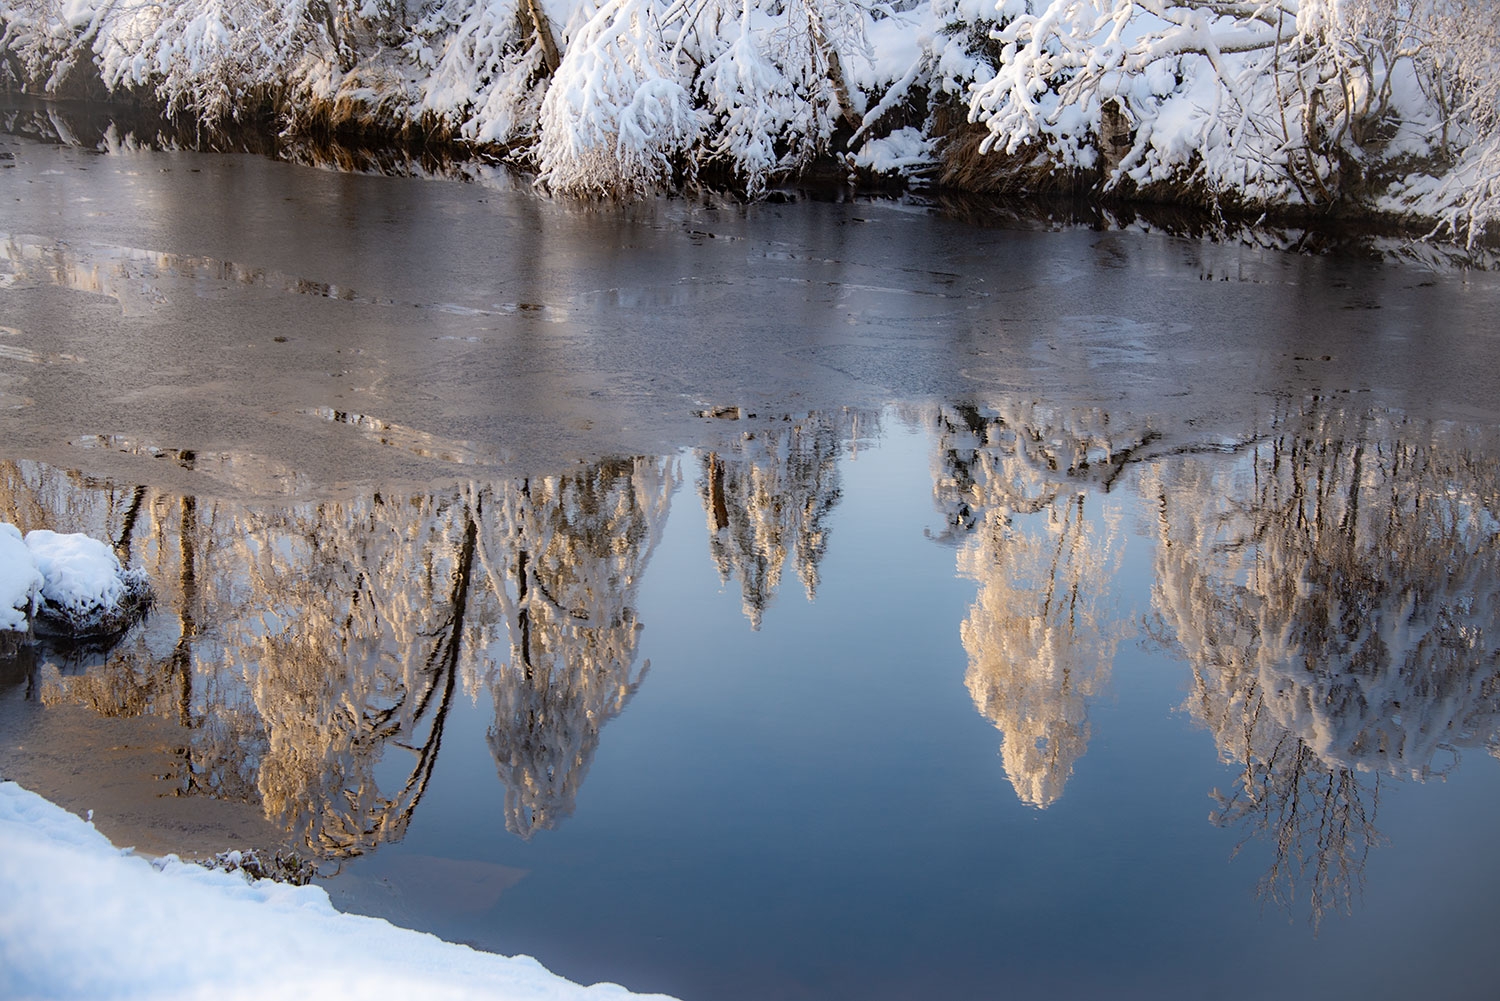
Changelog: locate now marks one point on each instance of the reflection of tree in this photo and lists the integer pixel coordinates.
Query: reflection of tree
(307, 647)
(1021, 457)
(1335, 593)
(332, 700)
(1315, 816)
(572, 549)
(771, 492)
(1037, 636)
(1038, 650)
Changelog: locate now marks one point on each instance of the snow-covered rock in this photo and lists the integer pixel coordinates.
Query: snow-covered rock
(65, 583)
(20, 580)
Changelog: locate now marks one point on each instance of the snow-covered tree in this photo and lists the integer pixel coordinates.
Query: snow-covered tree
(487, 65)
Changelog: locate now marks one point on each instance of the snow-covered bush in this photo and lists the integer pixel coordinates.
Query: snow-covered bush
(617, 118)
(646, 91)
(485, 66)
(42, 41)
(1210, 91)
(212, 57)
(749, 92)
(1264, 103)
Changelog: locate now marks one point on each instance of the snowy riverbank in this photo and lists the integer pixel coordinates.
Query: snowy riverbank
(84, 919)
(1326, 107)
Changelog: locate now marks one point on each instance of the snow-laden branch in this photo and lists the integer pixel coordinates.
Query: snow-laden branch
(1282, 101)
(206, 58)
(615, 118)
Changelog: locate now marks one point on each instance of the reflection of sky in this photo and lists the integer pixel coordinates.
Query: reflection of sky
(815, 802)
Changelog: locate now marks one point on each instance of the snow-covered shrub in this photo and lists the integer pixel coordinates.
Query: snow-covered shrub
(210, 57)
(616, 120)
(43, 41)
(213, 59)
(647, 90)
(962, 48)
(1210, 90)
(1274, 102)
(775, 82)
(750, 96)
(814, 43)
(485, 66)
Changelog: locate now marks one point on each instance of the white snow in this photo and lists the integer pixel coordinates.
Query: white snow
(81, 574)
(84, 919)
(20, 580)
(902, 150)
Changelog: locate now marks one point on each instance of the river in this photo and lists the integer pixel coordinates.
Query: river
(830, 598)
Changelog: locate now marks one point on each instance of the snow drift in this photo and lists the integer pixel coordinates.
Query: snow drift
(83, 919)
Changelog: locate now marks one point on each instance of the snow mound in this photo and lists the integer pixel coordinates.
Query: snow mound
(83, 919)
(20, 580)
(67, 584)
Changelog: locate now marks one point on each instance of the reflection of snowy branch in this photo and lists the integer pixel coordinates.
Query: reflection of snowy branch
(1335, 593)
(317, 777)
(1314, 816)
(1021, 457)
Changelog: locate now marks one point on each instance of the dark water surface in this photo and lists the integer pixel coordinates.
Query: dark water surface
(807, 601)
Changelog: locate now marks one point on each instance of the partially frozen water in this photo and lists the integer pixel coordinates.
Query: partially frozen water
(809, 601)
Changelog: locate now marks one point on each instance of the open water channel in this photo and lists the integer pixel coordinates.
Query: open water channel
(814, 600)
